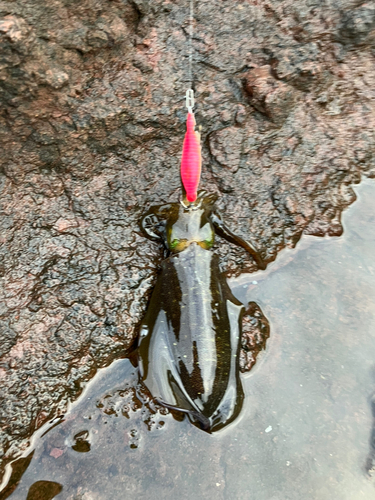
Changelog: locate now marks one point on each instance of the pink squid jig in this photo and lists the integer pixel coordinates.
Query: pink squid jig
(191, 160)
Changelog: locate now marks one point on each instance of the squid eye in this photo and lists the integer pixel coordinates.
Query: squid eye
(174, 243)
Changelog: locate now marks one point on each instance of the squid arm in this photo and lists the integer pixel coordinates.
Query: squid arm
(226, 233)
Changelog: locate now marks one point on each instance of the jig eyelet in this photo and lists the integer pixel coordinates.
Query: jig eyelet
(192, 206)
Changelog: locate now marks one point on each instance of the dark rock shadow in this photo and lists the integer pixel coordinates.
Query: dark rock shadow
(44, 490)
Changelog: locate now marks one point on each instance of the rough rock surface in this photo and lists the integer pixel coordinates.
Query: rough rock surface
(92, 122)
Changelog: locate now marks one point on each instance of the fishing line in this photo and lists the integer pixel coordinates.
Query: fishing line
(191, 159)
(190, 91)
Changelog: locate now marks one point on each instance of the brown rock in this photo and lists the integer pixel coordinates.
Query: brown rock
(270, 96)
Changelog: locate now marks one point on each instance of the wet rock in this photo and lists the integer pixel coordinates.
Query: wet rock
(226, 147)
(299, 65)
(91, 127)
(17, 35)
(130, 400)
(255, 332)
(358, 25)
(269, 96)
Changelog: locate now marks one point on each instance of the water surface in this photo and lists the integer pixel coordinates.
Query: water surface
(305, 428)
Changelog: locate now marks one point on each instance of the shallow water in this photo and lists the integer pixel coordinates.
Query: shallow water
(305, 428)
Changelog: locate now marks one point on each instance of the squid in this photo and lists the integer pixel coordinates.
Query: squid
(190, 338)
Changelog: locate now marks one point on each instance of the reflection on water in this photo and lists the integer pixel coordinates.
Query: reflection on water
(306, 425)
